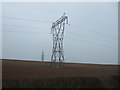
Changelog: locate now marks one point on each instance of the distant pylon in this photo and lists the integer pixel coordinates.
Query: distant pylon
(57, 30)
(42, 57)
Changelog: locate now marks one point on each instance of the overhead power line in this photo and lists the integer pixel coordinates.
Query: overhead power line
(23, 31)
(75, 26)
(32, 20)
(89, 37)
(90, 30)
(89, 42)
(22, 26)
(74, 39)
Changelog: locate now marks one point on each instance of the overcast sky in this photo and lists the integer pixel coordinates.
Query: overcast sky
(91, 36)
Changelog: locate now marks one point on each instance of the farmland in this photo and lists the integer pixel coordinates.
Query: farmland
(36, 74)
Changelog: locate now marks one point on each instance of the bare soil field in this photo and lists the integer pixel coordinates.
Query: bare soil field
(20, 70)
(36, 69)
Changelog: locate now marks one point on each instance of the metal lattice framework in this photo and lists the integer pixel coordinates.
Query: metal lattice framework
(57, 31)
(42, 57)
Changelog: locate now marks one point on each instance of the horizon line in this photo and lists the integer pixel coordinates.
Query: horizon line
(34, 60)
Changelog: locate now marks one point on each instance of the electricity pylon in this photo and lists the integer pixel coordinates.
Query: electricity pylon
(42, 58)
(57, 30)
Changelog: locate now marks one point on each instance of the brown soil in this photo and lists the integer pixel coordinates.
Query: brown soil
(16, 69)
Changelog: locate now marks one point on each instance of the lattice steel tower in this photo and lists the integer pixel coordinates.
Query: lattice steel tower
(57, 30)
(42, 57)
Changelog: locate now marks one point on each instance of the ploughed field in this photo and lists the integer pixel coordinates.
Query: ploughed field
(15, 72)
